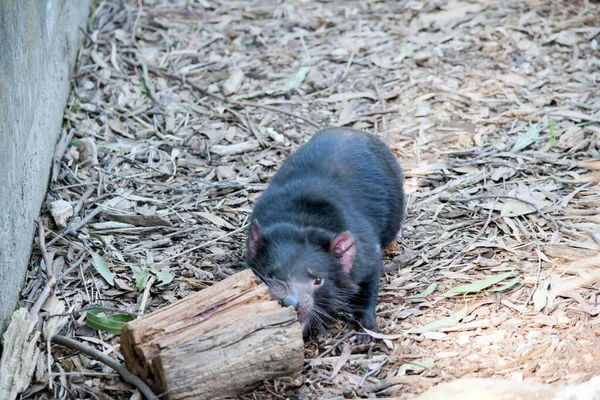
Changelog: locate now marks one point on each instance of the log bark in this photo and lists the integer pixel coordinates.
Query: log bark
(216, 343)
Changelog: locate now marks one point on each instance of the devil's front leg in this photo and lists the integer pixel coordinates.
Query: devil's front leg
(365, 304)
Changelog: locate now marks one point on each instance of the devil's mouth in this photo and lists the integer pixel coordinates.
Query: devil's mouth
(305, 326)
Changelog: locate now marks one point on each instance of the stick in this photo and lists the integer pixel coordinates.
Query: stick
(103, 358)
(51, 283)
(205, 92)
(75, 227)
(530, 204)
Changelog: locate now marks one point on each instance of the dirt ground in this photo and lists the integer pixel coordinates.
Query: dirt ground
(181, 111)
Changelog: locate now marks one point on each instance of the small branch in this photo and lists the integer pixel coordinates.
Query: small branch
(277, 110)
(103, 358)
(76, 226)
(476, 238)
(242, 104)
(537, 280)
(205, 243)
(491, 196)
(51, 279)
(42, 244)
(48, 290)
(72, 267)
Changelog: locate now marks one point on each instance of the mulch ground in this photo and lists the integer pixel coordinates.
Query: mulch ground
(181, 111)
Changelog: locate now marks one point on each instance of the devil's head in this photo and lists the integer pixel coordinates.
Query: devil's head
(307, 268)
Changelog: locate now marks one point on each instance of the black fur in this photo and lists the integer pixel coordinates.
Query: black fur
(341, 180)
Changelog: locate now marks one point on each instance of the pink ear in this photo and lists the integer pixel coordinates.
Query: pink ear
(342, 246)
(255, 241)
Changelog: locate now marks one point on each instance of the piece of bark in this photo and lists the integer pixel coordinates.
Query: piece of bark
(216, 343)
(238, 148)
(137, 220)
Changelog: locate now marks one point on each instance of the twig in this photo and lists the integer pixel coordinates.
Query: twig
(476, 238)
(146, 294)
(277, 110)
(76, 226)
(537, 280)
(103, 358)
(412, 380)
(42, 244)
(335, 345)
(242, 104)
(371, 373)
(206, 243)
(530, 204)
(147, 83)
(72, 267)
(51, 283)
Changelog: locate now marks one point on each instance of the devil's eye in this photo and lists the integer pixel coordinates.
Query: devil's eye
(318, 280)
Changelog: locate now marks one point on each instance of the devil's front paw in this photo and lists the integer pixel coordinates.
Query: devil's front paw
(363, 337)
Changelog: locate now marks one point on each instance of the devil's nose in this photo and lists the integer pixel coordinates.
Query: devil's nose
(290, 301)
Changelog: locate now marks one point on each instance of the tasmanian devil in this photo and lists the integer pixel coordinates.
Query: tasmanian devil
(318, 231)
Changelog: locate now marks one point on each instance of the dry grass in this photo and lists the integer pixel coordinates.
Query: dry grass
(492, 107)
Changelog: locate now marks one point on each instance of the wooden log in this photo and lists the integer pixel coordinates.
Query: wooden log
(216, 343)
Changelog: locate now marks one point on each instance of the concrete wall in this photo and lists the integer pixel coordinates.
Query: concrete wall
(39, 40)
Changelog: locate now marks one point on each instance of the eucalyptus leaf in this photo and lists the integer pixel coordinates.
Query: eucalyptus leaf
(102, 268)
(507, 285)
(407, 51)
(164, 276)
(107, 323)
(293, 82)
(442, 323)
(530, 137)
(479, 285)
(141, 277)
(99, 238)
(430, 289)
(416, 366)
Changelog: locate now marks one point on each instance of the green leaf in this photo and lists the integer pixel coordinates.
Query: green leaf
(102, 148)
(293, 82)
(416, 366)
(478, 286)
(552, 129)
(140, 276)
(102, 268)
(407, 51)
(530, 137)
(107, 323)
(164, 276)
(296, 79)
(442, 323)
(425, 292)
(99, 238)
(507, 285)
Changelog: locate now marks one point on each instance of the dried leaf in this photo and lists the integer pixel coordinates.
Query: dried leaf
(215, 219)
(234, 82)
(61, 212)
(416, 366)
